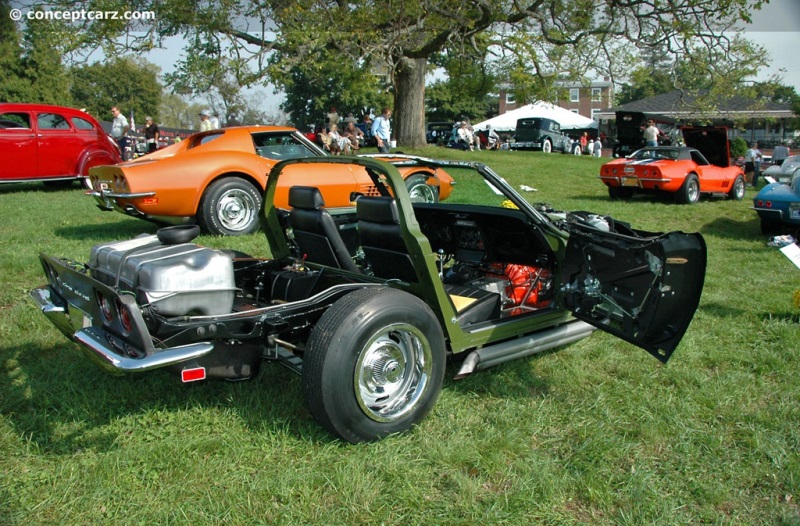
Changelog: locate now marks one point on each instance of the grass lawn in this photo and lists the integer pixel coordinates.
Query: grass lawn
(596, 433)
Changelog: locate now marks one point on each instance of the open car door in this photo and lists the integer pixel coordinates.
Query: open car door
(641, 287)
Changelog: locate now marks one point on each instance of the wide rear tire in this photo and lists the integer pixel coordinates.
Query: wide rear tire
(689, 192)
(374, 364)
(230, 207)
(737, 189)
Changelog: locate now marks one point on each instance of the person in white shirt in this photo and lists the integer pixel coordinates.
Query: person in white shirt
(465, 138)
(119, 131)
(205, 121)
(382, 131)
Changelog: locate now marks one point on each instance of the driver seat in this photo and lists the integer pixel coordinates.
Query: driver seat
(315, 231)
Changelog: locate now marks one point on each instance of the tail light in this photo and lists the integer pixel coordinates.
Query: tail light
(124, 317)
(105, 308)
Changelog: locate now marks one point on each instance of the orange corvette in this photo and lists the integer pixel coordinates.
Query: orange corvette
(701, 167)
(217, 179)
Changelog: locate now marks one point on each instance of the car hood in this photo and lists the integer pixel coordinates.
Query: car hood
(711, 141)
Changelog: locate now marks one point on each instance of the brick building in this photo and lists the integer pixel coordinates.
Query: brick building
(587, 100)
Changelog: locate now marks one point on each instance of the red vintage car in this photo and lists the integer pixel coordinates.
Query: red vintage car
(55, 144)
(217, 179)
(701, 167)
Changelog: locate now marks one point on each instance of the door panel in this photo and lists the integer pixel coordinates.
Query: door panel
(18, 146)
(644, 290)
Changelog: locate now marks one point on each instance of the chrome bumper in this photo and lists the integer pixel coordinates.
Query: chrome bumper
(107, 200)
(103, 348)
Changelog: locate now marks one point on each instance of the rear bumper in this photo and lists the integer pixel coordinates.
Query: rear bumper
(642, 183)
(111, 201)
(109, 352)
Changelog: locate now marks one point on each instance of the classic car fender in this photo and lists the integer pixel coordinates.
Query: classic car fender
(774, 201)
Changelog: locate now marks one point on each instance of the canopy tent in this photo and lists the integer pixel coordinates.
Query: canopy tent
(568, 120)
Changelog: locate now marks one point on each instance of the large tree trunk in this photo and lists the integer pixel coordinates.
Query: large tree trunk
(409, 103)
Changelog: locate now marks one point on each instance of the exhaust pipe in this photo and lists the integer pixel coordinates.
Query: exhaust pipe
(503, 352)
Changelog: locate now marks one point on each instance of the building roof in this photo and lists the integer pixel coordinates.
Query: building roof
(681, 105)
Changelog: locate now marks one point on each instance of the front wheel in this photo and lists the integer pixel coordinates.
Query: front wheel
(374, 364)
(230, 207)
(547, 146)
(689, 193)
(420, 191)
(577, 150)
(737, 189)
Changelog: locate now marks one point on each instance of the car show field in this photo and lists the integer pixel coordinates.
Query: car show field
(595, 433)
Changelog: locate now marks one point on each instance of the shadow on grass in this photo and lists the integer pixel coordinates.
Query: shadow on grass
(125, 229)
(514, 379)
(724, 227)
(53, 187)
(63, 404)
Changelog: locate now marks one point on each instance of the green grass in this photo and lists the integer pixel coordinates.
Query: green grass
(596, 433)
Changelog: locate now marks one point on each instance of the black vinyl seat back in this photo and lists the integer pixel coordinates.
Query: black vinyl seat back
(315, 231)
(382, 239)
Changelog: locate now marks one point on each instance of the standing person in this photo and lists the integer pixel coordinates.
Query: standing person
(215, 121)
(205, 122)
(151, 134)
(651, 133)
(752, 164)
(382, 130)
(780, 153)
(119, 131)
(584, 140)
(333, 117)
(598, 148)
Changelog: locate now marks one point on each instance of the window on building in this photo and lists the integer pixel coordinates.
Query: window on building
(596, 95)
(595, 112)
(510, 98)
(574, 94)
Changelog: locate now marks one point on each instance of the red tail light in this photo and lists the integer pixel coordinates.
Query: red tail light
(124, 317)
(105, 308)
(193, 375)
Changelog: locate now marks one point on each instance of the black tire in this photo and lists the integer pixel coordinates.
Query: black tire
(617, 192)
(577, 150)
(420, 191)
(374, 364)
(770, 228)
(689, 192)
(737, 189)
(547, 146)
(230, 207)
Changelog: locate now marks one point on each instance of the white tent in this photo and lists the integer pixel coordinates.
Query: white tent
(568, 120)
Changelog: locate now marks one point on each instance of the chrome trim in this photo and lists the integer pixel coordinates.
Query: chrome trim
(531, 344)
(91, 339)
(96, 343)
(102, 194)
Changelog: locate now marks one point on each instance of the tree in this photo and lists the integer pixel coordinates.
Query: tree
(541, 41)
(130, 83)
(31, 69)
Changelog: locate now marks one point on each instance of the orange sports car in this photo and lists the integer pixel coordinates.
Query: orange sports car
(701, 167)
(217, 179)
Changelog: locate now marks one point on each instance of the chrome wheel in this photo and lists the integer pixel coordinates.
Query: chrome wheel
(693, 190)
(547, 147)
(393, 372)
(236, 210)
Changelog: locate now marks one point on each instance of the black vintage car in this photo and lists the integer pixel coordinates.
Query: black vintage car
(367, 303)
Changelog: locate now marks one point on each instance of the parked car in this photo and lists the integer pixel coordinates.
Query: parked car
(369, 325)
(217, 179)
(701, 167)
(630, 127)
(537, 133)
(54, 144)
(439, 132)
(783, 173)
(778, 205)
